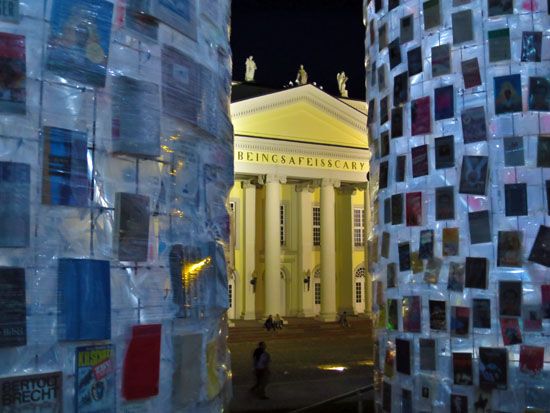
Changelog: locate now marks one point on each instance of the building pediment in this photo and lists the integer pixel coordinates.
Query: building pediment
(302, 114)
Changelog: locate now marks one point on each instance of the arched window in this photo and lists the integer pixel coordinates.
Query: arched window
(317, 272)
(360, 272)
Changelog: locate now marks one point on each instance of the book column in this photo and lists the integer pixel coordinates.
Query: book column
(459, 116)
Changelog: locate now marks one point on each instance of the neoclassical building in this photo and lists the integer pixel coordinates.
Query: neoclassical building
(298, 227)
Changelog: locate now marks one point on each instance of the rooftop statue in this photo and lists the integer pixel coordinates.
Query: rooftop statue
(301, 77)
(250, 69)
(341, 78)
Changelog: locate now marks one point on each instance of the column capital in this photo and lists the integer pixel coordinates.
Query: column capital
(271, 178)
(308, 186)
(347, 189)
(249, 183)
(330, 182)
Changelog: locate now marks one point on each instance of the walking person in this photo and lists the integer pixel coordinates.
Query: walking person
(261, 360)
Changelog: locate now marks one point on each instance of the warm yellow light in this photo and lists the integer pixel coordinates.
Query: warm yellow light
(365, 363)
(165, 148)
(190, 272)
(331, 367)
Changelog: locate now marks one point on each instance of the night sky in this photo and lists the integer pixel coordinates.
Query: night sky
(326, 36)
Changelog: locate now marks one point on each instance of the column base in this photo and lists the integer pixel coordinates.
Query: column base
(248, 316)
(328, 317)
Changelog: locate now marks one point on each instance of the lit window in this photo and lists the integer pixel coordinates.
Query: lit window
(282, 223)
(317, 293)
(358, 227)
(230, 292)
(316, 225)
(358, 293)
(233, 222)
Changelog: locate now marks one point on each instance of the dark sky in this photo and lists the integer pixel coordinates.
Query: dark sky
(326, 36)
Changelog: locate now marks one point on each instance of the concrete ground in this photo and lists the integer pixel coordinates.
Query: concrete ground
(305, 357)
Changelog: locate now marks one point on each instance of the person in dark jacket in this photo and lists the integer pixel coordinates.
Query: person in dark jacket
(261, 360)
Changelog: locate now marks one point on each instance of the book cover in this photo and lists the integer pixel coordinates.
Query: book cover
(470, 72)
(180, 85)
(397, 122)
(473, 125)
(438, 315)
(140, 375)
(426, 244)
(385, 251)
(498, 7)
(13, 92)
(510, 298)
(32, 393)
(462, 27)
(382, 78)
(95, 381)
(507, 93)
(397, 209)
(9, 11)
(511, 333)
(401, 163)
(433, 268)
(531, 46)
(543, 152)
(384, 141)
(389, 361)
(138, 18)
(462, 369)
(532, 317)
(406, 401)
(476, 273)
(13, 307)
(513, 151)
(419, 155)
(432, 14)
(404, 251)
(545, 296)
(450, 242)
(441, 60)
(371, 111)
(540, 253)
(403, 356)
(414, 61)
(386, 397)
(65, 178)
(421, 116)
(444, 152)
(473, 175)
(531, 359)
(499, 45)
(78, 45)
(539, 94)
(455, 281)
(417, 264)
(392, 315)
(444, 203)
(391, 275)
(427, 354)
(480, 227)
(400, 89)
(459, 403)
(136, 117)
(548, 197)
(516, 199)
(14, 204)
(493, 368)
(414, 208)
(406, 29)
(392, 4)
(509, 249)
(412, 312)
(84, 299)
(383, 180)
(131, 227)
(384, 117)
(382, 37)
(180, 14)
(483, 401)
(394, 51)
(460, 321)
(481, 313)
(444, 102)
(387, 211)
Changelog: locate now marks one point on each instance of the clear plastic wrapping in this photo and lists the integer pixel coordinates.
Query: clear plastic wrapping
(459, 245)
(115, 164)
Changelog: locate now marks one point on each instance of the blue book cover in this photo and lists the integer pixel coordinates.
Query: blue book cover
(180, 14)
(13, 307)
(84, 289)
(65, 178)
(95, 379)
(14, 204)
(78, 45)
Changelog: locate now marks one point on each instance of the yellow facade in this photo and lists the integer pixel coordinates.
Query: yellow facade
(299, 148)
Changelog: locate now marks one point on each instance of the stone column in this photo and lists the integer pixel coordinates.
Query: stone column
(272, 282)
(328, 250)
(249, 236)
(368, 228)
(305, 249)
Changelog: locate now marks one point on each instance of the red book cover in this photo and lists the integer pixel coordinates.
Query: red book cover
(414, 208)
(141, 365)
(545, 291)
(420, 116)
(531, 359)
(511, 334)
